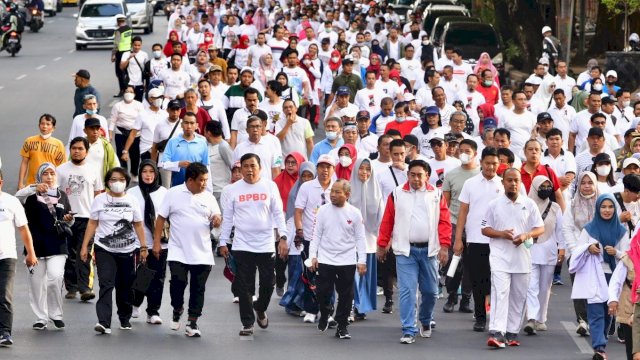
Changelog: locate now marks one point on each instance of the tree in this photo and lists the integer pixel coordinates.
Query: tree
(625, 7)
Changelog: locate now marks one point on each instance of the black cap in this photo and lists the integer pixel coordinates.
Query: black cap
(363, 115)
(595, 131)
(174, 104)
(544, 116)
(83, 74)
(411, 139)
(91, 122)
(607, 100)
(450, 137)
(261, 114)
(602, 157)
(325, 40)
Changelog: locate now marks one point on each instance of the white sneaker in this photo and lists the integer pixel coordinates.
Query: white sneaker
(236, 300)
(309, 318)
(541, 326)
(102, 329)
(191, 330)
(254, 298)
(135, 312)
(380, 291)
(154, 320)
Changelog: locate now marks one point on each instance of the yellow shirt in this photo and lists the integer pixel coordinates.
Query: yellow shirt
(38, 150)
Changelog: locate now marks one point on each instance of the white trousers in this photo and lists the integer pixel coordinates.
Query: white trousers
(508, 298)
(45, 290)
(539, 291)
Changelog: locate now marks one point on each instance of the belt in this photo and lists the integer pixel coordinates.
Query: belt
(420, 245)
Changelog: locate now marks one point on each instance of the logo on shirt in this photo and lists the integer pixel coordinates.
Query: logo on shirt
(349, 222)
(252, 197)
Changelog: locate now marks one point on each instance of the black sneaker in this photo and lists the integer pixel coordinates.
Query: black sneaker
(332, 322)
(58, 324)
(191, 330)
(465, 305)
(343, 333)
(388, 307)
(5, 340)
(246, 331)
(323, 323)
(448, 306)
(479, 325)
(39, 326)
(262, 319)
(125, 325)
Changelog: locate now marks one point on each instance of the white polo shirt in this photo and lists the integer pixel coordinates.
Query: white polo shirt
(268, 157)
(309, 199)
(477, 192)
(581, 123)
(385, 178)
(520, 126)
(522, 216)
(11, 216)
(190, 215)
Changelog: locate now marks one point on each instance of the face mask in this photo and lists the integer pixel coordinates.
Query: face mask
(400, 119)
(488, 83)
(528, 243)
(90, 112)
(335, 59)
(327, 30)
(603, 170)
(425, 42)
(118, 187)
(157, 102)
(307, 62)
(45, 136)
(626, 103)
(597, 87)
(345, 161)
(588, 196)
(207, 39)
(128, 97)
(157, 54)
(465, 158)
(544, 194)
(331, 135)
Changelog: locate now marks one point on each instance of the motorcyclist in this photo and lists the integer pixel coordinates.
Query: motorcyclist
(35, 4)
(12, 20)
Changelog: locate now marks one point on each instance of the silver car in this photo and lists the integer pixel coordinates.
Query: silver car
(97, 22)
(141, 14)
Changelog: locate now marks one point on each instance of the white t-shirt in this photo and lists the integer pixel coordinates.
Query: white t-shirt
(477, 192)
(423, 139)
(520, 127)
(439, 168)
(157, 197)
(277, 47)
(255, 52)
(410, 69)
(297, 77)
(163, 130)
(135, 68)
(581, 124)
(215, 107)
(309, 199)
(11, 216)
(460, 72)
(390, 88)
(296, 138)
(274, 112)
(562, 121)
(230, 34)
(268, 157)
(175, 82)
(369, 99)
(95, 160)
(80, 184)
(338, 236)
(146, 125)
(190, 216)
(388, 182)
(115, 216)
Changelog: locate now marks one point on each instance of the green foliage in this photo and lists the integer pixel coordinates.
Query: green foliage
(616, 7)
(512, 52)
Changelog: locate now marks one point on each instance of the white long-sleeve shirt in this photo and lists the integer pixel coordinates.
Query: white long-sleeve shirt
(338, 236)
(255, 210)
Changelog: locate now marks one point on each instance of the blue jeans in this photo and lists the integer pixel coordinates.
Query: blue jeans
(417, 270)
(599, 322)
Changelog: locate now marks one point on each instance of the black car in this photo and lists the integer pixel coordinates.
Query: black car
(439, 24)
(432, 12)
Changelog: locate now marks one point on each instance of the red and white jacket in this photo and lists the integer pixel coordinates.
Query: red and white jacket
(395, 224)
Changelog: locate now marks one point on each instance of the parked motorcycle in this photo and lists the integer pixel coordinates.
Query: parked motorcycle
(36, 23)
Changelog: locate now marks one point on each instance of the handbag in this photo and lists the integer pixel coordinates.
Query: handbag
(62, 228)
(163, 144)
(143, 279)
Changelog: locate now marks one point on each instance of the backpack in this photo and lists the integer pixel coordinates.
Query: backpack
(20, 25)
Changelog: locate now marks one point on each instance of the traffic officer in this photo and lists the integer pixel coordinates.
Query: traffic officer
(121, 44)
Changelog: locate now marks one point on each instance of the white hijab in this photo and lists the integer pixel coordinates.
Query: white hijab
(367, 197)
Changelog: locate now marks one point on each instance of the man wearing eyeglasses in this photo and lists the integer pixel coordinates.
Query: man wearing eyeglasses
(599, 120)
(184, 149)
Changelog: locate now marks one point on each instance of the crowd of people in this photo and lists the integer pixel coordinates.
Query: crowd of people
(430, 178)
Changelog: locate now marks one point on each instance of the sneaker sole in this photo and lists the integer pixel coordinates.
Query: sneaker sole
(102, 330)
(494, 343)
(6, 344)
(529, 330)
(407, 341)
(582, 331)
(196, 335)
(513, 343)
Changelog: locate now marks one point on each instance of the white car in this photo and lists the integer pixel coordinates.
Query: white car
(51, 7)
(141, 14)
(97, 22)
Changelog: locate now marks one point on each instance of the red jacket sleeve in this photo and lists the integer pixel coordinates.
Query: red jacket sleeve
(444, 225)
(388, 219)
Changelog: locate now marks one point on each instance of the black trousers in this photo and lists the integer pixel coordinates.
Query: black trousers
(117, 271)
(627, 333)
(247, 263)
(281, 269)
(7, 274)
(156, 288)
(134, 153)
(139, 92)
(461, 275)
(387, 274)
(579, 305)
(120, 74)
(78, 274)
(196, 276)
(342, 278)
(476, 259)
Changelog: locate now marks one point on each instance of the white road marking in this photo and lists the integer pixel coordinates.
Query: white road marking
(71, 51)
(58, 58)
(41, 67)
(21, 77)
(581, 342)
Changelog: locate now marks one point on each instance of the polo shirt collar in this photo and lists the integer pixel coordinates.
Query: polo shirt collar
(546, 152)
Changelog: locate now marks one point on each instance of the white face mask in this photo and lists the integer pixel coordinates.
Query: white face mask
(345, 161)
(465, 158)
(335, 59)
(157, 54)
(45, 136)
(400, 119)
(331, 135)
(626, 103)
(425, 42)
(597, 87)
(118, 187)
(603, 170)
(128, 97)
(157, 102)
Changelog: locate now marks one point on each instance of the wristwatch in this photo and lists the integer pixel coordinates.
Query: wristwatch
(125, 151)
(283, 237)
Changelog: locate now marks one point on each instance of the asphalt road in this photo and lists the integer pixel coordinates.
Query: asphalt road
(39, 81)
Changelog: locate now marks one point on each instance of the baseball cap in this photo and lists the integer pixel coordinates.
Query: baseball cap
(91, 122)
(411, 139)
(326, 159)
(343, 90)
(155, 92)
(409, 97)
(430, 110)
(245, 69)
(325, 40)
(602, 157)
(450, 137)
(489, 123)
(544, 61)
(595, 132)
(83, 74)
(544, 116)
(363, 115)
(436, 138)
(174, 104)
(612, 73)
(348, 59)
(630, 161)
(212, 47)
(350, 112)
(120, 17)
(215, 68)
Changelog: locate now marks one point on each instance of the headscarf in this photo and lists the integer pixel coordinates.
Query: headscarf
(345, 172)
(541, 100)
(334, 66)
(259, 20)
(367, 196)
(41, 169)
(606, 232)
(582, 208)
(634, 256)
(550, 219)
(488, 111)
(395, 74)
(146, 190)
(291, 201)
(312, 78)
(205, 44)
(578, 100)
(168, 47)
(303, 33)
(376, 49)
(480, 66)
(285, 181)
(266, 73)
(241, 42)
(375, 68)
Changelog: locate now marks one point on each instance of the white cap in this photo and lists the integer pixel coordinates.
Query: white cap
(534, 80)
(120, 16)
(544, 61)
(612, 73)
(630, 161)
(155, 92)
(409, 97)
(350, 112)
(546, 29)
(246, 68)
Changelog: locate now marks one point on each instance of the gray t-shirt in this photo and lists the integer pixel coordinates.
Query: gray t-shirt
(453, 182)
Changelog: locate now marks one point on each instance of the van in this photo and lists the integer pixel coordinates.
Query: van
(439, 24)
(432, 12)
(97, 22)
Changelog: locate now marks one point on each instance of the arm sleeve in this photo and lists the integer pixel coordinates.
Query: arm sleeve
(444, 224)
(559, 233)
(617, 282)
(388, 220)
(361, 246)
(276, 210)
(317, 235)
(226, 200)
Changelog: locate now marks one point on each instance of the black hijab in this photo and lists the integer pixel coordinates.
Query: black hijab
(146, 190)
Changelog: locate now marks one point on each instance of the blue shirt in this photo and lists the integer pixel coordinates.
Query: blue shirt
(323, 147)
(180, 149)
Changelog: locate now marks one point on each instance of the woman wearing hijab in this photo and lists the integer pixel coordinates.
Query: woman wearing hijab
(547, 251)
(267, 70)
(286, 179)
(347, 156)
(259, 20)
(543, 97)
(485, 62)
(377, 49)
(314, 75)
(44, 206)
(374, 64)
(240, 54)
(208, 41)
(150, 196)
(579, 100)
(293, 299)
(485, 110)
(288, 92)
(593, 263)
(168, 47)
(367, 196)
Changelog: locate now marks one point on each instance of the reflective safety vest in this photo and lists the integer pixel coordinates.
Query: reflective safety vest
(125, 38)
